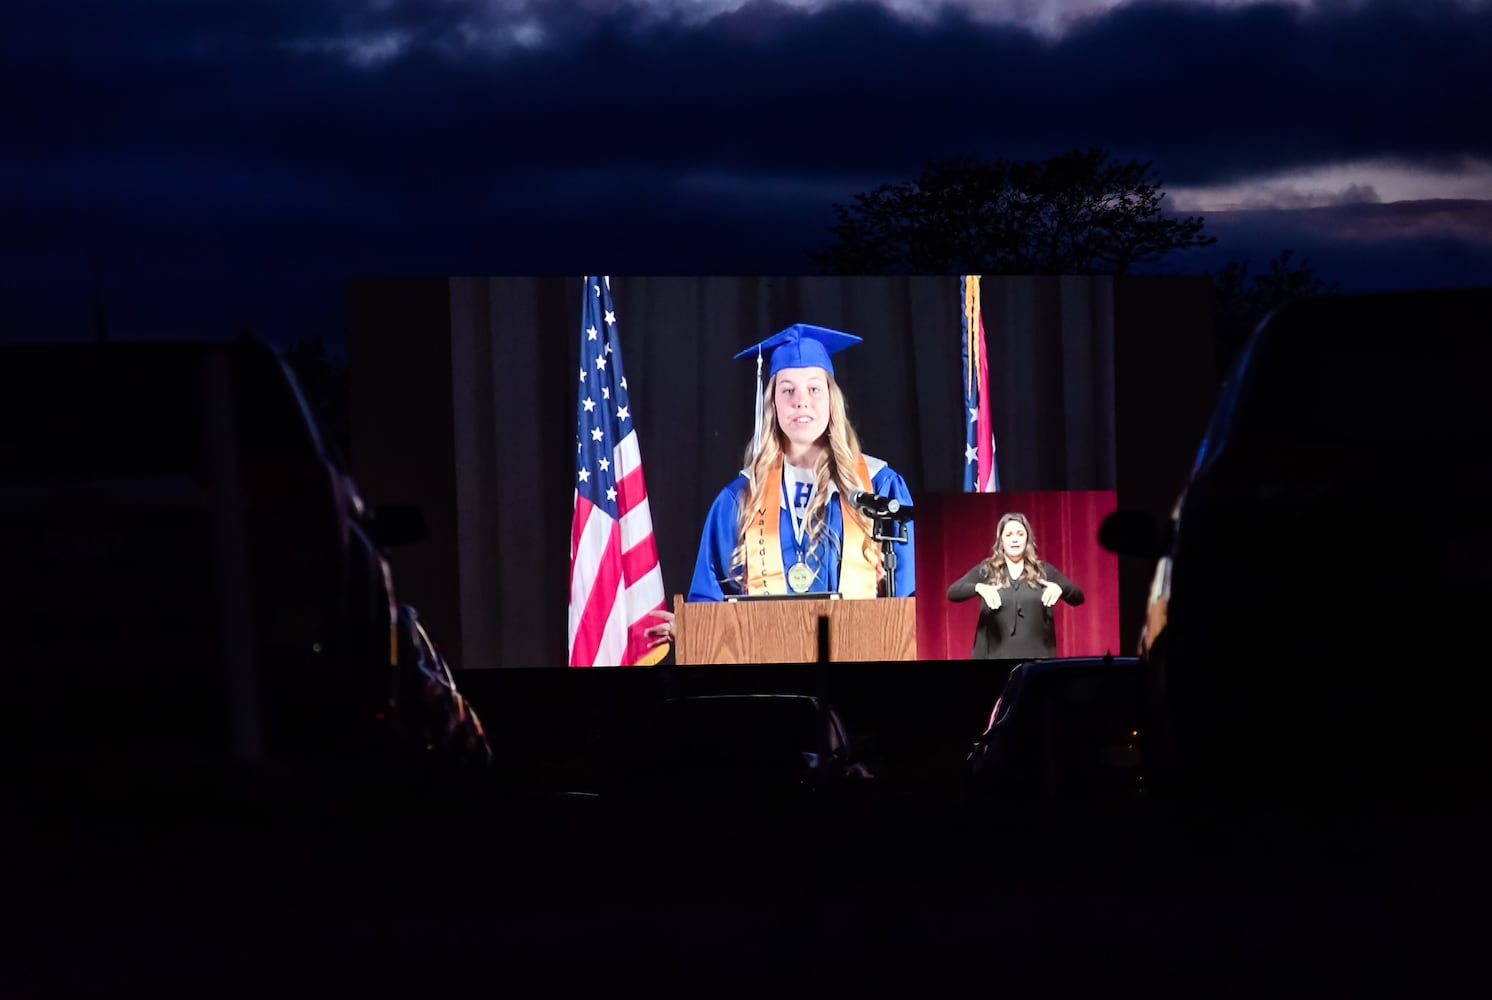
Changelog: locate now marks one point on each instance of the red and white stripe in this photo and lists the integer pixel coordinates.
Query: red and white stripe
(985, 477)
(614, 576)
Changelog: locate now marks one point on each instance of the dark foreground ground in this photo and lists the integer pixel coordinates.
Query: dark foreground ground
(426, 889)
(341, 881)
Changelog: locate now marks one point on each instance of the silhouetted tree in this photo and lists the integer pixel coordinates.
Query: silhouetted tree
(1075, 213)
(1243, 300)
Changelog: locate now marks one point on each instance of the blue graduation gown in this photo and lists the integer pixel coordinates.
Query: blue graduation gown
(720, 537)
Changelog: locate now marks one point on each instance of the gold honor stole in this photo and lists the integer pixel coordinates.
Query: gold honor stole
(858, 575)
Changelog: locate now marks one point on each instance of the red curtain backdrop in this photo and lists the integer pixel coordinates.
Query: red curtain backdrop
(956, 530)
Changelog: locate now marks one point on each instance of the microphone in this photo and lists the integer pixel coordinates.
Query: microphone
(879, 506)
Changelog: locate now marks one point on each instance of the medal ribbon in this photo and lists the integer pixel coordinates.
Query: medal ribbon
(858, 576)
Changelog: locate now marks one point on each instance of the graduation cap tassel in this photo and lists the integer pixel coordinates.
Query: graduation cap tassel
(756, 433)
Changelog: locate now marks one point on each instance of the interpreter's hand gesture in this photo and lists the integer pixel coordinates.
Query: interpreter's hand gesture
(1051, 593)
(663, 631)
(990, 593)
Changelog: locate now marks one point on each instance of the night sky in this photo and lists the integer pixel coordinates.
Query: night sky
(190, 168)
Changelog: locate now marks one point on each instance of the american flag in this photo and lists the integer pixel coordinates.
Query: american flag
(614, 575)
(981, 473)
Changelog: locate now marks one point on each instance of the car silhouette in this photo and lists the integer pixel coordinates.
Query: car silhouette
(1327, 559)
(723, 749)
(430, 715)
(190, 570)
(1064, 728)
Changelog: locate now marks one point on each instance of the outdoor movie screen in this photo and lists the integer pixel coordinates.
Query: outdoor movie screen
(905, 353)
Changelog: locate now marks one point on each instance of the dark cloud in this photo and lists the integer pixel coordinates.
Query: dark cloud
(1209, 93)
(285, 138)
(1437, 243)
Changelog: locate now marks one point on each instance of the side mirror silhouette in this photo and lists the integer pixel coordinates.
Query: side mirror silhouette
(1131, 533)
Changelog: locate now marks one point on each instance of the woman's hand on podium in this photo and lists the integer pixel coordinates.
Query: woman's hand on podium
(663, 631)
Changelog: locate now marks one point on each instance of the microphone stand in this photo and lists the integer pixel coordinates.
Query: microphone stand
(888, 529)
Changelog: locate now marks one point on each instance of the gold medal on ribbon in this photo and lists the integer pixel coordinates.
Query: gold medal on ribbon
(799, 577)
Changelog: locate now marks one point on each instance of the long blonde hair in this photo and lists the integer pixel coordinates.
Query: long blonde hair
(1033, 572)
(839, 463)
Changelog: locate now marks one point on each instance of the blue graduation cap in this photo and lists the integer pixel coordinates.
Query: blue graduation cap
(801, 346)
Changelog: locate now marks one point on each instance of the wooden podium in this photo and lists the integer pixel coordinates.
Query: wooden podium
(786, 631)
